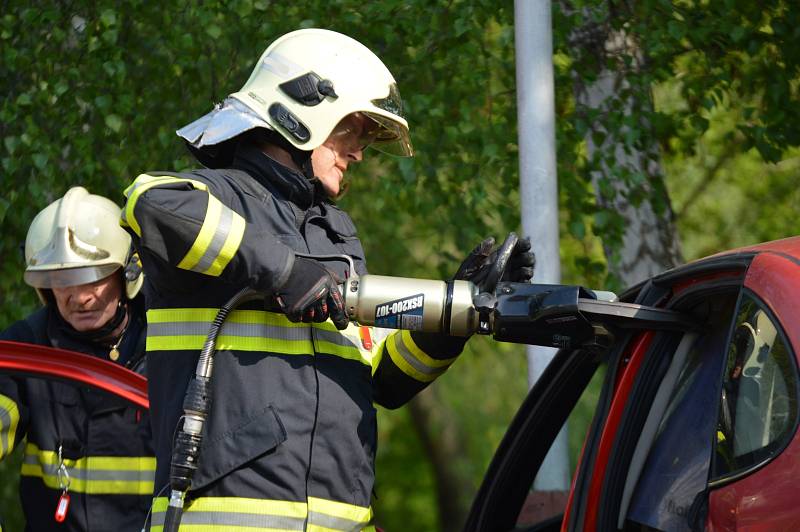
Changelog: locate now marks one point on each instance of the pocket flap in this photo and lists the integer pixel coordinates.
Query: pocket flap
(225, 452)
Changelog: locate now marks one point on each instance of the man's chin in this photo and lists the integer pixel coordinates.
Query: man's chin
(84, 323)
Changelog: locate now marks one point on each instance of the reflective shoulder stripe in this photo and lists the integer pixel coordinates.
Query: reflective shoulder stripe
(217, 241)
(141, 185)
(121, 475)
(9, 419)
(251, 515)
(412, 361)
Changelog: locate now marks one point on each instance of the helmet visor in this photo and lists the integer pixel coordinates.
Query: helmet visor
(391, 137)
(394, 138)
(68, 276)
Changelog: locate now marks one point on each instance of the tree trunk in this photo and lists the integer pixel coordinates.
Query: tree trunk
(623, 154)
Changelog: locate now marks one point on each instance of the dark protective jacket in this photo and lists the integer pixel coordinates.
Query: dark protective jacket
(291, 435)
(105, 442)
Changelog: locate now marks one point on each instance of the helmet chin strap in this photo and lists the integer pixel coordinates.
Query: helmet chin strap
(301, 158)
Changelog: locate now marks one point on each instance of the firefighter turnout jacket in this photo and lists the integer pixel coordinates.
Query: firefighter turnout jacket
(97, 444)
(290, 438)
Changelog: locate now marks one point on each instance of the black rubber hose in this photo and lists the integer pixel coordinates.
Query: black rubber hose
(196, 404)
(172, 519)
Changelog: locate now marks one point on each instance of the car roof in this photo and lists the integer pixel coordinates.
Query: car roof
(786, 246)
(737, 259)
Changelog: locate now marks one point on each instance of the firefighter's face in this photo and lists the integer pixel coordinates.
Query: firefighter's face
(87, 307)
(344, 146)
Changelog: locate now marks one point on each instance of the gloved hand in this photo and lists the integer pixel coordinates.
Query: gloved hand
(312, 294)
(476, 266)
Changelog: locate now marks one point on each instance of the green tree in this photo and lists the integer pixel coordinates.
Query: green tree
(707, 95)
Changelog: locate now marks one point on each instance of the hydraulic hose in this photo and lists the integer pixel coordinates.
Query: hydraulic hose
(196, 403)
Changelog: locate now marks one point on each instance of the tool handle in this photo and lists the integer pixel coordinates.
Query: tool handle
(326, 258)
(499, 266)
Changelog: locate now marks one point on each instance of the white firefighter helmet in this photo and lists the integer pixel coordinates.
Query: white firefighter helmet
(77, 240)
(303, 85)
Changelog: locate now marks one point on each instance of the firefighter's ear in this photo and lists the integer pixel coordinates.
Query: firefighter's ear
(134, 275)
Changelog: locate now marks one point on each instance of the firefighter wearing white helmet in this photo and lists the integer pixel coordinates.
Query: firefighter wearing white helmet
(79, 261)
(289, 440)
(77, 240)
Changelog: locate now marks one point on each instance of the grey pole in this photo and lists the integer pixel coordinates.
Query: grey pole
(538, 186)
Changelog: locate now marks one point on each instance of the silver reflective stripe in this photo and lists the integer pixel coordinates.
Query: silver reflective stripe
(334, 337)
(334, 523)
(246, 330)
(149, 180)
(412, 360)
(221, 233)
(279, 522)
(143, 475)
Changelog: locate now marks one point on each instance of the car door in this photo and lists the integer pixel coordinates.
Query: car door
(620, 329)
(644, 423)
(756, 463)
(718, 452)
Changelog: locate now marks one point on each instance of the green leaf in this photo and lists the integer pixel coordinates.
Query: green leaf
(40, 160)
(577, 229)
(11, 144)
(214, 31)
(113, 122)
(108, 17)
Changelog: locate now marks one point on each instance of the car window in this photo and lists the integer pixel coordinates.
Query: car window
(758, 407)
(678, 460)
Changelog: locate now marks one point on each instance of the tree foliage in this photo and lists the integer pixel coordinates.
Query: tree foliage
(94, 92)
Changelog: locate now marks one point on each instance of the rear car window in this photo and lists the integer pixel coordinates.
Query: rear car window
(758, 408)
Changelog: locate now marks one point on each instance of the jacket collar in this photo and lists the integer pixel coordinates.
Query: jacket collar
(290, 184)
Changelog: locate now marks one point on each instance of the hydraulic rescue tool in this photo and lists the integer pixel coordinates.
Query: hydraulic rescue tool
(537, 314)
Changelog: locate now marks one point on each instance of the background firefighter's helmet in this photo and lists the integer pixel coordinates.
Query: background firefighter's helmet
(304, 84)
(77, 240)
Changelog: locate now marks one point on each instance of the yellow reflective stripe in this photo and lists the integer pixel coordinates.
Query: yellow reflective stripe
(141, 185)
(207, 231)
(251, 330)
(221, 513)
(9, 419)
(324, 514)
(345, 344)
(412, 360)
(217, 241)
(217, 514)
(244, 330)
(233, 343)
(207, 315)
(230, 247)
(131, 475)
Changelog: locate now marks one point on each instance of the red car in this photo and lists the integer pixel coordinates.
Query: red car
(696, 425)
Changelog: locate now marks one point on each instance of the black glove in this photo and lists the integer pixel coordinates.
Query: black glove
(312, 294)
(476, 266)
